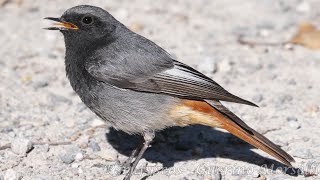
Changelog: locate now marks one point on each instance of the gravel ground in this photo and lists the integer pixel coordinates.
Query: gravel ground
(46, 133)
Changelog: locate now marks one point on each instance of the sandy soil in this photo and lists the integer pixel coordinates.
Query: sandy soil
(46, 133)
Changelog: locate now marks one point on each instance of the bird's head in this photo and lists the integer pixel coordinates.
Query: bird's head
(85, 24)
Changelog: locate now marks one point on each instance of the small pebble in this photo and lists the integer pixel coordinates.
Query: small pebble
(97, 123)
(79, 156)
(115, 169)
(52, 55)
(294, 124)
(68, 158)
(12, 134)
(21, 146)
(40, 82)
(75, 165)
(94, 146)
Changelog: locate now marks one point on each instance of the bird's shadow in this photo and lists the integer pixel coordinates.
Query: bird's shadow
(194, 142)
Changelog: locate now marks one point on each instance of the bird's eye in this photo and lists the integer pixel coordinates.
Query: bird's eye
(87, 20)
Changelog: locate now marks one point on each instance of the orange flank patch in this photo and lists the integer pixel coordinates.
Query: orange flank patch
(195, 112)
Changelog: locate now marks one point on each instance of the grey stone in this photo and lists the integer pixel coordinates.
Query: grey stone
(40, 82)
(52, 55)
(94, 146)
(21, 146)
(69, 156)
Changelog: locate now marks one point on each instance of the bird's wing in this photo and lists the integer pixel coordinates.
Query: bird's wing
(177, 79)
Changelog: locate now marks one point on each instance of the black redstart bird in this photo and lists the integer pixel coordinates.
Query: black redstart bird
(137, 87)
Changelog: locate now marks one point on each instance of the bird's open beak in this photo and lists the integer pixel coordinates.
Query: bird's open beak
(61, 25)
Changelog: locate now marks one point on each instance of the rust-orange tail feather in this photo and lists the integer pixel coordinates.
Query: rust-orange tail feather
(227, 120)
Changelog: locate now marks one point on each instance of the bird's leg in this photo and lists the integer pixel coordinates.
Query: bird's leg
(134, 153)
(148, 137)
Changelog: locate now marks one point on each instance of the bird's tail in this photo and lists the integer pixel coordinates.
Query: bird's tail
(223, 118)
